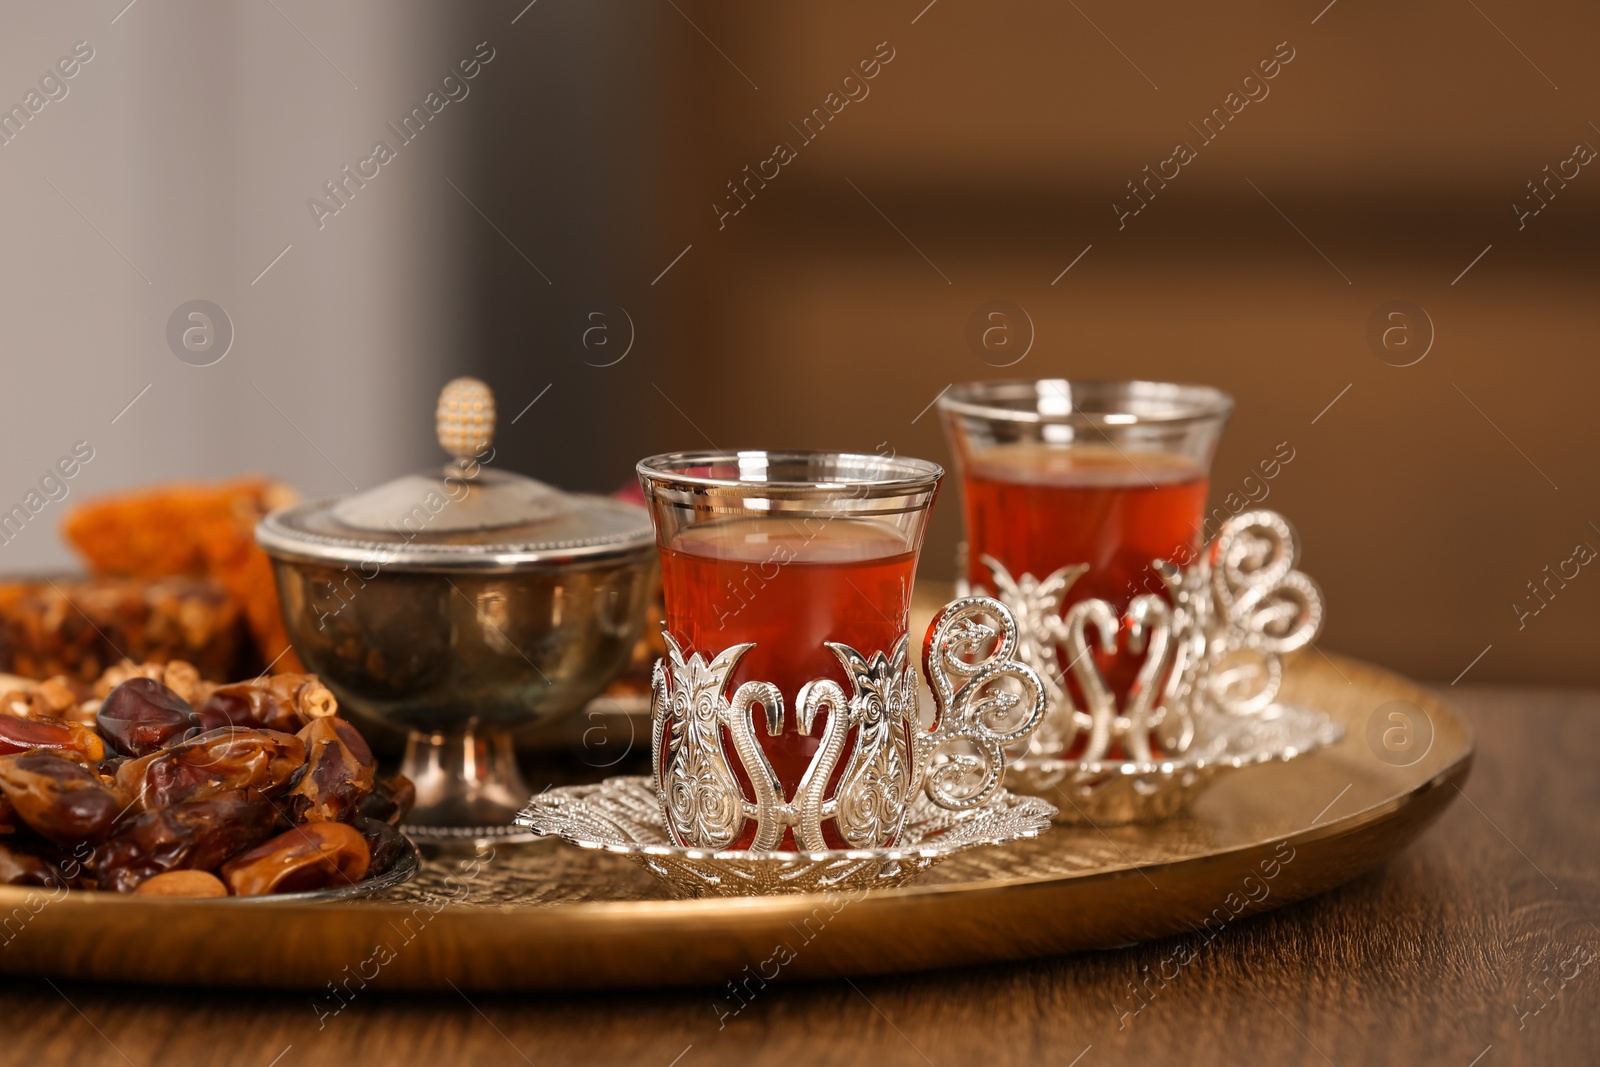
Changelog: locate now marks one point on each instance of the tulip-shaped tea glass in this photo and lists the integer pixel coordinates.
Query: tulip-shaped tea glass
(1072, 492)
(785, 712)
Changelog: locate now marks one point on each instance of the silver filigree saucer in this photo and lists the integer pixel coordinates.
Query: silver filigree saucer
(1104, 792)
(624, 816)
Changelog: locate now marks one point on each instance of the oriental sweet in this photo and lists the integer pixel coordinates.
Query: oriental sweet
(204, 531)
(77, 628)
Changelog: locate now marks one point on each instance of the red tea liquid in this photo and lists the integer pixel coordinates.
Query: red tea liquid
(1035, 508)
(788, 585)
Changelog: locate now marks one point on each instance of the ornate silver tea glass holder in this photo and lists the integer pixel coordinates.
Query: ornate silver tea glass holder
(1206, 689)
(906, 796)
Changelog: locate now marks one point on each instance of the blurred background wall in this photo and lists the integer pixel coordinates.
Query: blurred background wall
(568, 230)
(177, 166)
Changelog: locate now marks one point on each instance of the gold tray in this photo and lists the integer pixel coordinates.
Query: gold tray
(549, 916)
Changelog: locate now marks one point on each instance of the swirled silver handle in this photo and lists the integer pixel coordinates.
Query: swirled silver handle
(980, 688)
(1271, 606)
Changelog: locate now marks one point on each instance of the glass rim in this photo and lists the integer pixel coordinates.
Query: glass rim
(1187, 402)
(904, 474)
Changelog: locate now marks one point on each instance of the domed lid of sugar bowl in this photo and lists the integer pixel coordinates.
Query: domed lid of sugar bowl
(465, 516)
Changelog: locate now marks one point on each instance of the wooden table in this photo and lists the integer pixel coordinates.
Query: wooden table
(1432, 960)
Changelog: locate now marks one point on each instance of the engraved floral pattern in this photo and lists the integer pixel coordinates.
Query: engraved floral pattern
(986, 701)
(700, 796)
(872, 793)
(1212, 646)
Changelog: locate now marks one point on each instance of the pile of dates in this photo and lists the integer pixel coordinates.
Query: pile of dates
(159, 783)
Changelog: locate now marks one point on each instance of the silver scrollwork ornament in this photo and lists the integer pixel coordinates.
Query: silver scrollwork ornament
(986, 702)
(1212, 646)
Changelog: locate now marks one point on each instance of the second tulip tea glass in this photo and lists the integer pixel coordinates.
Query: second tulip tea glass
(1072, 490)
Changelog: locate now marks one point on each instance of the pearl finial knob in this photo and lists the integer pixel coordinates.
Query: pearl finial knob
(464, 420)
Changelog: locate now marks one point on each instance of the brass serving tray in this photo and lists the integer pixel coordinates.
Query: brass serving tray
(549, 916)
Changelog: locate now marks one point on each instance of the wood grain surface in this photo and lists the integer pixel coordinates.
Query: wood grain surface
(1477, 946)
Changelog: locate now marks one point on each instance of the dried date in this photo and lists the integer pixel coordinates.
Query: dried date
(25, 735)
(390, 801)
(141, 716)
(340, 772)
(313, 856)
(190, 835)
(58, 798)
(386, 845)
(283, 702)
(19, 868)
(217, 760)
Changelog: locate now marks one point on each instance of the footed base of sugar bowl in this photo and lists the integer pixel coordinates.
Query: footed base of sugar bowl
(469, 788)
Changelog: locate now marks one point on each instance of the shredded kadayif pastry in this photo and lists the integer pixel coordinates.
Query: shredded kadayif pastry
(197, 530)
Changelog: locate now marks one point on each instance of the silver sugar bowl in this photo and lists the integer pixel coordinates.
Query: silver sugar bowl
(460, 605)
